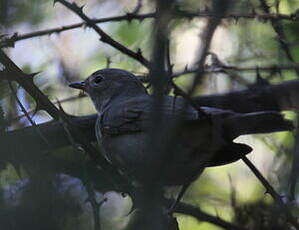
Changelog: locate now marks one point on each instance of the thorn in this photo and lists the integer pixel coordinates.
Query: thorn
(32, 75)
(186, 68)
(84, 26)
(236, 19)
(217, 213)
(14, 36)
(54, 2)
(171, 68)
(257, 72)
(123, 194)
(81, 93)
(81, 8)
(105, 199)
(108, 59)
(130, 17)
(139, 52)
(260, 81)
(277, 4)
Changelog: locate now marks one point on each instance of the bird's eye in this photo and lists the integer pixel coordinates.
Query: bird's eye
(98, 79)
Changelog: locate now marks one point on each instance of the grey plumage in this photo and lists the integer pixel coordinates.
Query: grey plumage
(124, 122)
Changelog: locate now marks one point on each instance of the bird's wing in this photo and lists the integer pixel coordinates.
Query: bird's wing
(135, 114)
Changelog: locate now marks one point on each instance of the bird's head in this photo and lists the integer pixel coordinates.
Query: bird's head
(105, 84)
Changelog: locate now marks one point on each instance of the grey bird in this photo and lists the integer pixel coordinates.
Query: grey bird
(124, 125)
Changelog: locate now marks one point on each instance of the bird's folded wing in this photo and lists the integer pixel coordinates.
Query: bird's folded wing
(135, 114)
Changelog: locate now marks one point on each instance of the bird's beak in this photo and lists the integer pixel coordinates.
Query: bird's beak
(78, 85)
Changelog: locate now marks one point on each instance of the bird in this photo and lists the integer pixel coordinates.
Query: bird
(202, 139)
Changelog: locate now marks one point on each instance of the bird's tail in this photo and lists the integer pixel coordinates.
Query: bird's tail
(258, 122)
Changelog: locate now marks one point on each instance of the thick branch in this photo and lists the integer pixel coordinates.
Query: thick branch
(283, 96)
(13, 73)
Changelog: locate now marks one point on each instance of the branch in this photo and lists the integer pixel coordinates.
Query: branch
(30, 111)
(254, 15)
(10, 41)
(13, 73)
(278, 28)
(104, 37)
(282, 38)
(269, 189)
(191, 210)
(127, 17)
(279, 97)
(219, 7)
(224, 68)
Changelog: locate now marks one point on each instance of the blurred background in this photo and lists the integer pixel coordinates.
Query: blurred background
(231, 192)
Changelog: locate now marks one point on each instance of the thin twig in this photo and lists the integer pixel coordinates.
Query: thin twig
(219, 7)
(282, 38)
(254, 15)
(206, 39)
(23, 109)
(68, 99)
(222, 69)
(94, 204)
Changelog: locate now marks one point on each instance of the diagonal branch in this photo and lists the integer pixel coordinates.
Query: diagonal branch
(104, 37)
(219, 7)
(13, 73)
(278, 28)
(269, 189)
(282, 38)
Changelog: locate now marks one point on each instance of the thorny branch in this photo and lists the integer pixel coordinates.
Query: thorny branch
(269, 189)
(104, 37)
(26, 113)
(219, 7)
(282, 39)
(278, 28)
(10, 41)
